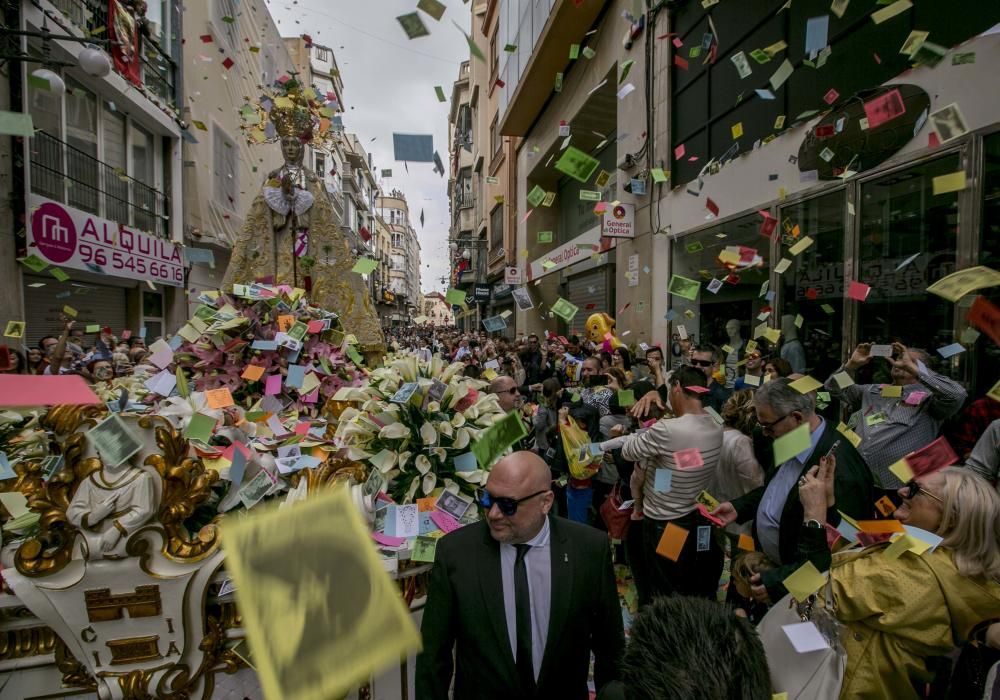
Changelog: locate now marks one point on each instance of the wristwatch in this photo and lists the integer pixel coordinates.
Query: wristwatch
(813, 523)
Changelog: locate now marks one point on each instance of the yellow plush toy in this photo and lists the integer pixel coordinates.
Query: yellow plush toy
(601, 331)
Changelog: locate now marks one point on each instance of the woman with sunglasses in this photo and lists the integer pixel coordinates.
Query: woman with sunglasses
(899, 612)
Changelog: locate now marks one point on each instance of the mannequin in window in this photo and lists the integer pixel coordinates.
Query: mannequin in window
(733, 357)
(792, 350)
(291, 234)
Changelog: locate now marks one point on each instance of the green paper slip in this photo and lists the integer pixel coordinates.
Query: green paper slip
(791, 444)
(544, 236)
(497, 438)
(536, 196)
(364, 266)
(16, 124)
(439, 91)
(455, 296)
(577, 164)
(33, 263)
(200, 428)
(626, 398)
(564, 310)
(684, 287)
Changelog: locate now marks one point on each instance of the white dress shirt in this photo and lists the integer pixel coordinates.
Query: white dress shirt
(538, 561)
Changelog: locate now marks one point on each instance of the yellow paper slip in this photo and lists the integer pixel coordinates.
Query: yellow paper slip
(801, 245)
(805, 385)
(902, 470)
(805, 581)
(952, 182)
(285, 563)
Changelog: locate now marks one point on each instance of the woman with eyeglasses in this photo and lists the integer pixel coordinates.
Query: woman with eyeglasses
(899, 612)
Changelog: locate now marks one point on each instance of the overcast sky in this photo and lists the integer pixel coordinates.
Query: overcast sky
(389, 87)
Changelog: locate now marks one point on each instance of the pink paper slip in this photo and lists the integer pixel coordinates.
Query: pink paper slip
(388, 540)
(44, 390)
(445, 521)
(688, 459)
(710, 518)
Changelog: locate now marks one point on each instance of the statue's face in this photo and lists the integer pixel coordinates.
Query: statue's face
(291, 149)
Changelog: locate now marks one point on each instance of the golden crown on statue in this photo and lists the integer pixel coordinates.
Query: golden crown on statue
(293, 109)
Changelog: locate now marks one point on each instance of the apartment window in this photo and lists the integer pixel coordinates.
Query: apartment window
(397, 240)
(322, 53)
(225, 177)
(224, 14)
(496, 140)
(463, 130)
(494, 55)
(496, 228)
(463, 189)
(320, 165)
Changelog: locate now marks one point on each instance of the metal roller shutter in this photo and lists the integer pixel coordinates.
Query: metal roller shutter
(96, 304)
(587, 288)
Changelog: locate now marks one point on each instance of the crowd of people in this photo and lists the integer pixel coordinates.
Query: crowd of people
(707, 521)
(685, 451)
(98, 357)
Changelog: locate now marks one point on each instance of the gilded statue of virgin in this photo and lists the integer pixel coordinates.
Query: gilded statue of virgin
(291, 234)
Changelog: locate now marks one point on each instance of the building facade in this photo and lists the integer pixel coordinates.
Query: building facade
(404, 258)
(761, 188)
(223, 172)
(96, 187)
(466, 244)
(437, 311)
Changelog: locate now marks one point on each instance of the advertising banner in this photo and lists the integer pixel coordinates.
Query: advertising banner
(68, 237)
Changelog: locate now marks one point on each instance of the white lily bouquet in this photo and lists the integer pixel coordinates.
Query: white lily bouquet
(416, 425)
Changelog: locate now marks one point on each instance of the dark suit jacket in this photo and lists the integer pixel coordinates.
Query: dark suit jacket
(465, 614)
(854, 491)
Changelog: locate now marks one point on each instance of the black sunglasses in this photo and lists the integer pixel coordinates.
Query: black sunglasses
(507, 506)
(702, 363)
(912, 488)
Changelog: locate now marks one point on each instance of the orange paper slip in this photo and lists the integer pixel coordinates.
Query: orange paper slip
(218, 398)
(285, 322)
(672, 542)
(253, 373)
(880, 526)
(746, 542)
(426, 505)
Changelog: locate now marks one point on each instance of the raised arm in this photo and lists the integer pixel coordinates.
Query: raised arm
(850, 395)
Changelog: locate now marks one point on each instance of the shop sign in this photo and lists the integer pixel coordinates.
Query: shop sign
(481, 292)
(501, 291)
(574, 251)
(68, 237)
(619, 221)
(512, 275)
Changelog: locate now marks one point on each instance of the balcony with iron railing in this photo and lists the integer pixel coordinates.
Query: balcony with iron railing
(66, 174)
(159, 71)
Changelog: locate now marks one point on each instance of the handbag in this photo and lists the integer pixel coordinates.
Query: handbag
(583, 464)
(616, 520)
(815, 675)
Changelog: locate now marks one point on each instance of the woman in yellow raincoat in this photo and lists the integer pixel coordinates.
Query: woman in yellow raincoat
(898, 613)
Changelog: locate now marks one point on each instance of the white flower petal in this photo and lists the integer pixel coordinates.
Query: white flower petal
(428, 433)
(429, 482)
(395, 431)
(423, 464)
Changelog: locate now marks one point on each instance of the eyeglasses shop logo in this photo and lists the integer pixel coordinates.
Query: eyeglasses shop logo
(54, 232)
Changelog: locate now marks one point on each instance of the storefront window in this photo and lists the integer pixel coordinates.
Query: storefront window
(908, 240)
(812, 310)
(731, 261)
(986, 358)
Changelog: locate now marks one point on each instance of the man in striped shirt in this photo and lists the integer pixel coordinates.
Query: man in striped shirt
(675, 460)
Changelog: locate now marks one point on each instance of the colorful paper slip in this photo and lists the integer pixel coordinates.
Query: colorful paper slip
(45, 390)
(253, 373)
(672, 542)
(219, 398)
(791, 444)
(688, 459)
(805, 385)
(880, 527)
(805, 581)
(200, 428)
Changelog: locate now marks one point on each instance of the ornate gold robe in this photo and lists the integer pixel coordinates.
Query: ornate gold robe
(260, 252)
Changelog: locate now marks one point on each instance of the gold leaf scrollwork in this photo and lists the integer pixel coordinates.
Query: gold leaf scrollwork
(74, 673)
(51, 549)
(186, 484)
(333, 471)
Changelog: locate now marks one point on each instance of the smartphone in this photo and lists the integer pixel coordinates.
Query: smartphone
(597, 380)
(833, 448)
